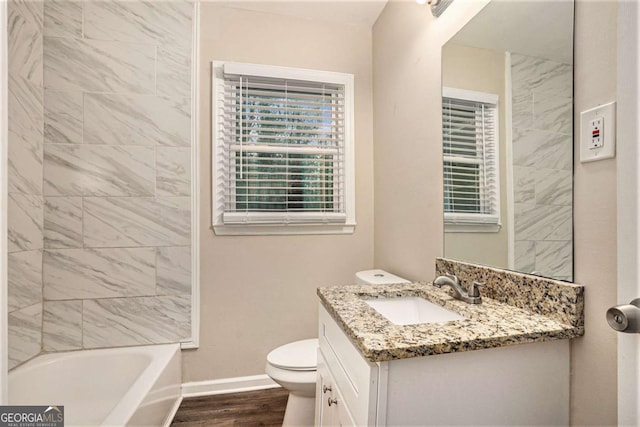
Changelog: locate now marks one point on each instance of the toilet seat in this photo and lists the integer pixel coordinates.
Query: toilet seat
(295, 356)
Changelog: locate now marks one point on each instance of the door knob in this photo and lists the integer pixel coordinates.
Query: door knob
(625, 317)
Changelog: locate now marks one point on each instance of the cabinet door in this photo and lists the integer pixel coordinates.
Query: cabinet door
(341, 415)
(324, 392)
(355, 377)
(331, 408)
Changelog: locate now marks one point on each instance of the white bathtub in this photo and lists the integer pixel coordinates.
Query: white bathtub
(135, 386)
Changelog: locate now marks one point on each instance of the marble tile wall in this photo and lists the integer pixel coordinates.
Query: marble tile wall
(100, 174)
(26, 201)
(542, 165)
(116, 268)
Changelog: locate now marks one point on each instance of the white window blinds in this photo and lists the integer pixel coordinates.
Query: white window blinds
(281, 150)
(471, 178)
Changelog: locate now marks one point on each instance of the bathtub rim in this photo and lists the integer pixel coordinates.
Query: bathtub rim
(129, 402)
(133, 398)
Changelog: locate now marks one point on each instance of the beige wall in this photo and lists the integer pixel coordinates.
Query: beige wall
(481, 70)
(260, 292)
(593, 357)
(407, 129)
(408, 226)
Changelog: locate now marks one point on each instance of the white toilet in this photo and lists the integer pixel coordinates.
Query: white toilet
(294, 365)
(378, 277)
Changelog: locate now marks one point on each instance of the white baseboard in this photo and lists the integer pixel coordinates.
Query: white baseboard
(227, 385)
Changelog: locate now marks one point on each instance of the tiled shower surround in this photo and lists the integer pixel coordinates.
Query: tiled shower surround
(542, 165)
(100, 174)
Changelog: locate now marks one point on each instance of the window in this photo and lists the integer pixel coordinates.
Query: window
(283, 150)
(470, 147)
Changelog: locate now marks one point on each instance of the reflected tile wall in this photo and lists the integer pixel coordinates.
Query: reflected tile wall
(543, 160)
(555, 256)
(541, 222)
(542, 149)
(525, 256)
(524, 184)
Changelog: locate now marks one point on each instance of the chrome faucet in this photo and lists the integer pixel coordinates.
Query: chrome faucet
(471, 297)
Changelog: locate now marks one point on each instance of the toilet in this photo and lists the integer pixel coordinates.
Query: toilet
(294, 365)
(378, 277)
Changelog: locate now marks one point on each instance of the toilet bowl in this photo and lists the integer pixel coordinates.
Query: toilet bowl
(293, 366)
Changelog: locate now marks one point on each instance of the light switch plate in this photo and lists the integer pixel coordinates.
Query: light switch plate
(598, 133)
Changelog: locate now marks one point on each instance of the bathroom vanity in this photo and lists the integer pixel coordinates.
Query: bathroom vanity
(500, 364)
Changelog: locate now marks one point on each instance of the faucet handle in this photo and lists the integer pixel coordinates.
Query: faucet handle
(473, 289)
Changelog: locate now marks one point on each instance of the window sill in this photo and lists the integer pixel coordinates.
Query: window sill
(471, 228)
(282, 230)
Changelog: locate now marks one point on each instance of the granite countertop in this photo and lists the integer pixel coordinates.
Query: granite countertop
(487, 325)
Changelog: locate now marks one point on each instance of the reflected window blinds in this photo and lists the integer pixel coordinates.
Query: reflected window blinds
(470, 148)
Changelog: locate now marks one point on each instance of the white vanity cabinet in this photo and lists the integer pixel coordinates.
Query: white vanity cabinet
(330, 404)
(353, 381)
(516, 384)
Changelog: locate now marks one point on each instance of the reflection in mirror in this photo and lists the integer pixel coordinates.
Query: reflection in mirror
(507, 116)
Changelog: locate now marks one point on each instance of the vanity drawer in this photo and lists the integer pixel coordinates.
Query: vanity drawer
(355, 377)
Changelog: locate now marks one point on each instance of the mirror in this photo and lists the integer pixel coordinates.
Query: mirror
(508, 138)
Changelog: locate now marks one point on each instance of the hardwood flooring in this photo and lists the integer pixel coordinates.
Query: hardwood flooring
(253, 408)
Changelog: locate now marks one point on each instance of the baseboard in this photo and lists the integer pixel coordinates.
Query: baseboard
(227, 385)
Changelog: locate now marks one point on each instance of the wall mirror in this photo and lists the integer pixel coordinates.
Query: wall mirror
(507, 122)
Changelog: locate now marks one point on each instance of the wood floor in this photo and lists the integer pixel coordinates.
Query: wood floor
(253, 408)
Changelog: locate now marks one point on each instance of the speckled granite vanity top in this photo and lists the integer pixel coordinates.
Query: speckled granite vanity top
(557, 315)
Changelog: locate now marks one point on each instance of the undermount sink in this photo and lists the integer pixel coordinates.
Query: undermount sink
(412, 311)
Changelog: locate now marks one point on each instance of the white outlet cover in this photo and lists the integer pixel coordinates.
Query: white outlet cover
(608, 149)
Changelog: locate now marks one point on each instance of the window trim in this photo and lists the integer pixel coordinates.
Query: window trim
(217, 79)
(456, 222)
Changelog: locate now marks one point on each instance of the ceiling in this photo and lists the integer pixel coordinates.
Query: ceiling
(353, 12)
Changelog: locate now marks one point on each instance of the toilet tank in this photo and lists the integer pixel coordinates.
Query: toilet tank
(378, 277)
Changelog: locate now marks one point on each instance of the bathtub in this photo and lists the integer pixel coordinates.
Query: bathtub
(135, 386)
